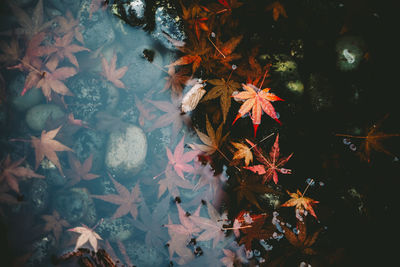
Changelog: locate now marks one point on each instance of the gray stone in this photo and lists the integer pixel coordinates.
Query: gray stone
(31, 98)
(143, 73)
(126, 151)
(37, 116)
(119, 229)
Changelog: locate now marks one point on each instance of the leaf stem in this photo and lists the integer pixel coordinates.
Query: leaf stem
(219, 51)
(308, 185)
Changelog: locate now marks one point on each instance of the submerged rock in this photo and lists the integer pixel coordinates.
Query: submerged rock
(90, 142)
(144, 68)
(142, 255)
(38, 195)
(320, 91)
(350, 52)
(126, 151)
(32, 97)
(37, 116)
(41, 250)
(113, 230)
(76, 205)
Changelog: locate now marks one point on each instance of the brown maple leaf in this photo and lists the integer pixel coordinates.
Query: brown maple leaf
(172, 116)
(65, 50)
(212, 141)
(372, 141)
(47, 146)
(111, 73)
(127, 201)
(224, 50)
(69, 24)
(55, 224)
(11, 51)
(79, 171)
(270, 165)
(176, 80)
(257, 231)
(30, 24)
(193, 54)
(196, 17)
(277, 10)
(222, 89)
(301, 240)
(11, 170)
(301, 203)
(52, 81)
(243, 152)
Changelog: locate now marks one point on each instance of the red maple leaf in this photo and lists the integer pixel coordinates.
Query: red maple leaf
(256, 100)
(111, 73)
(270, 165)
(79, 171)
(127, 201)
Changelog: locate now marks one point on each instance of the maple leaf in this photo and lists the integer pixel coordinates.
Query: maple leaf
(171, 182)
(195, 16)
(234, 258)
(69, 24)
(243, 152)
(87, 234)
(179, 160)
(79, 171)
(111, 73)
(372, 141)
(301, 202)
(224, 51)
(193, 55)
(151, 223)
(47, 146)
(175, 80)
(109, 123)
(144, 111)
(55, 224)
(65, 50)
(277, 10)
(30, 25)
(52, 81)
(256, 232)
(213, 227)
(173, 116)
(222, 89)
(11, 170)
(181, 234)
(211, 142)
(11, 52)
(270, 165)
(249, 188)
(127, 201)
(301, 240)
(256, 100)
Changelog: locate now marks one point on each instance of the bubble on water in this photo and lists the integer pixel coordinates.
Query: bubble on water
(249, 254)
(256, 252)
(346, 141)
(310, 181)
(321, 183)
(213, 34)
(353, 147)
(234, 67)
(278, 115)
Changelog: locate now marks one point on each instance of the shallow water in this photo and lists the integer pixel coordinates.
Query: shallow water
(151, 185)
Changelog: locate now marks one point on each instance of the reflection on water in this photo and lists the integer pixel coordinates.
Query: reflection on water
(195, 133)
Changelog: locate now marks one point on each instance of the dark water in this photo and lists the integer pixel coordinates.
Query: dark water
(131, 167)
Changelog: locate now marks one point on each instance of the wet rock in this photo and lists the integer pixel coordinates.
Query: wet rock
(63, 5)
(54, 178)
(90, 95)
(350, 52)
(33, 97)
(320, 91)
(143, 72)
(76, 205)
(126, 151)
(90, 142)
(116, 229)
(41, 250)
(142, 255)
(130, 11)
(38, 195)
(97, 28)
(37, 116)
(167, 21)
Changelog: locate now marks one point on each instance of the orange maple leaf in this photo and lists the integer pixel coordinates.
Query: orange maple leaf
(47, 146)
(277, 10)
(256, 100)
(111, 73)
(243, 152)
(301, 202)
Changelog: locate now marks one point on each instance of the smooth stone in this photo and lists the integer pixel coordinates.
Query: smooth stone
(126, 151)
(31, 98)
(37, 116)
